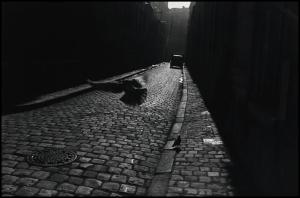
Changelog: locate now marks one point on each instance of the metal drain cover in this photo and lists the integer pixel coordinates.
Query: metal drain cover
(52, 157)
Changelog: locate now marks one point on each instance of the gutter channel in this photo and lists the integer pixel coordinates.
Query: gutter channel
(160, 181)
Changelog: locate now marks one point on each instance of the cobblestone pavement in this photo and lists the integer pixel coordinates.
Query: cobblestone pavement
(199, 169)
(118, 145)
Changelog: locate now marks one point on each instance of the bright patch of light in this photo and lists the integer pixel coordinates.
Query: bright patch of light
(178, 4)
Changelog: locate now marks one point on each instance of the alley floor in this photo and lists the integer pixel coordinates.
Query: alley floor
(200, 168)
(118, 146)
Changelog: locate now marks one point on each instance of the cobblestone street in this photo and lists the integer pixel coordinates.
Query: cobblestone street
(149, 98)
(200, 169)
(118, 145)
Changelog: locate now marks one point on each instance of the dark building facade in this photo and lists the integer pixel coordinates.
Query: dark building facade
(177, 31)
(48, 46)
(161, 12)
(175, 23)
(244, 57)
(161, 9)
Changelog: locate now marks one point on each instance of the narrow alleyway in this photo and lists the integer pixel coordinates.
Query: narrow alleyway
(118, 145)
(150, 98)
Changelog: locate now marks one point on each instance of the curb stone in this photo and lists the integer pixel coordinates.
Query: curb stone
(160, 181)
(72, 92)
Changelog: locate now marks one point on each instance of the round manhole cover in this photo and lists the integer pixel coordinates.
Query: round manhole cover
(52, 157)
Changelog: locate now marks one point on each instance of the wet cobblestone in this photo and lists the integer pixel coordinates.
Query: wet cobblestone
(118, 145)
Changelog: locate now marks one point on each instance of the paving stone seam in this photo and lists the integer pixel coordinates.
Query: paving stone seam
(160, 181)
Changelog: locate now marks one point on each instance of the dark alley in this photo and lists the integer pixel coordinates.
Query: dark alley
(145, 98)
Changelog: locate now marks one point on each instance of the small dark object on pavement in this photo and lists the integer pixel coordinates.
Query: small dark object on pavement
(177, 141)
(177, 149)
(177, 61)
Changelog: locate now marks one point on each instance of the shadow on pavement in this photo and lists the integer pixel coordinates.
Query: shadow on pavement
(134, 97)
